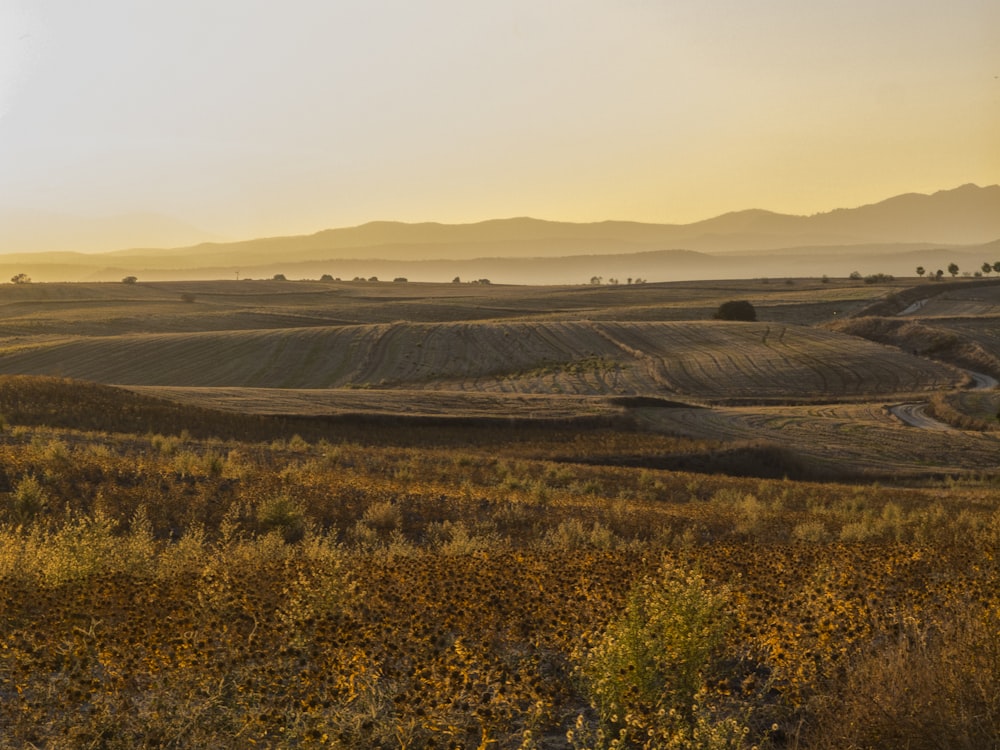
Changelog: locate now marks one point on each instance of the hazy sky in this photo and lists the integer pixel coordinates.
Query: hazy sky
(254, 117)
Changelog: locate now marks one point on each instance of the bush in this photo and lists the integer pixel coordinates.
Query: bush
(28, 499)
(736, 310)
(647, 676)
(284, 515)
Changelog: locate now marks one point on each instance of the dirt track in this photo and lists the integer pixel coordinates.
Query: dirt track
(914, 415)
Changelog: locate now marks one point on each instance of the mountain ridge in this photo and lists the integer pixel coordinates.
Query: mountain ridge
(957, 220)
(968, 214)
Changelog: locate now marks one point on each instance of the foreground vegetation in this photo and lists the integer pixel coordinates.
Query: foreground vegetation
(524, 517)
(435, 586)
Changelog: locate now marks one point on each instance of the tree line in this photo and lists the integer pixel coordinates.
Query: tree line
(953, 269)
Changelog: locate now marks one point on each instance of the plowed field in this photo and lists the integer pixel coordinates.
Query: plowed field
(705, 360)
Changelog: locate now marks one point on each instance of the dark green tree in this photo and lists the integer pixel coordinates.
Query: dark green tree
(736, 310)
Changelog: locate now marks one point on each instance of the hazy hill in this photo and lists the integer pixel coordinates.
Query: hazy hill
(42, 231)
(965, 215)
(890, 237)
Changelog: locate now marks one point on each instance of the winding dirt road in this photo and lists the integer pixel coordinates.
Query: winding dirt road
(915, 414)
(982, 381)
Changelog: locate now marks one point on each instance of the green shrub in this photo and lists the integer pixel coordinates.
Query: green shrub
(647, 675)
(28, 499)
(284, 515)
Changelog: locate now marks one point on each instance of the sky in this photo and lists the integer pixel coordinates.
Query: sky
(249, 118)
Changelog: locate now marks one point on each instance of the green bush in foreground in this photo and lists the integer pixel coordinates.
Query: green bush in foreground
(646, 677)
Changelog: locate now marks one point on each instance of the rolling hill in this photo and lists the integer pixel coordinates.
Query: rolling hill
(704, 361)
(646, 356)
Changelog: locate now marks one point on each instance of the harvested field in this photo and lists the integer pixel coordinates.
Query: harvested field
(111, 309)
(408, 403)
(972, 343)
(525, 354)
(709, 361)
(978, 301)
(847, 439)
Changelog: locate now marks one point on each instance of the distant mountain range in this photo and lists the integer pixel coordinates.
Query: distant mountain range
(46, 231)
(893, 236)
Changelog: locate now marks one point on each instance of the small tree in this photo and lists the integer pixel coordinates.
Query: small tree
(987, 268)
(736, 310)
(326, 277)
(20, 278)
(129, 280)
(996, 266)
(938, 274)
(457, 280)
(279, 277)
(953, 269)
(921, 271)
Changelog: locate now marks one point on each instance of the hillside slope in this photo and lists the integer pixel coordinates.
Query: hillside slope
(711, 361)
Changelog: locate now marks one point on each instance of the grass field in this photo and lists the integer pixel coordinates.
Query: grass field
(392, 515)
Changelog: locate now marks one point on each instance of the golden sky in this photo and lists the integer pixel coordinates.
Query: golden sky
(252, 117)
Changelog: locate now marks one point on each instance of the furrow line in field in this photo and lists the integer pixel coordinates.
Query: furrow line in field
(854, 380)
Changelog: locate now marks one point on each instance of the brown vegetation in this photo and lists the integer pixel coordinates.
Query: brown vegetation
(161, 589)
(515, 541)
